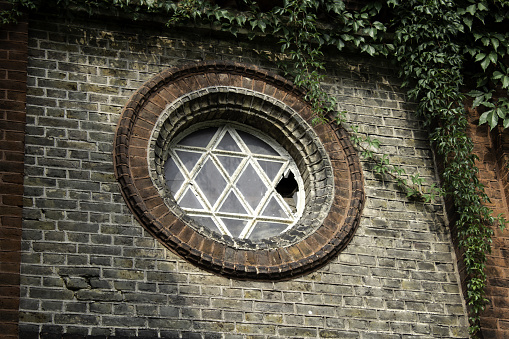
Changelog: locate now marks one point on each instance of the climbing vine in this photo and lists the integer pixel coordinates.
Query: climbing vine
(450, 53)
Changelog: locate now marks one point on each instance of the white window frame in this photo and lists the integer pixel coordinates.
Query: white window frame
(249, 158)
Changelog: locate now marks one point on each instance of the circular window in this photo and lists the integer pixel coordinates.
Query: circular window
(218, 161)
(235, 181)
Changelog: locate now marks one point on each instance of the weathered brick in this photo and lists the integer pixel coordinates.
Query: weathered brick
(397, 267)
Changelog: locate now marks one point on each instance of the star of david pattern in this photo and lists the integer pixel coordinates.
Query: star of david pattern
(225, 179)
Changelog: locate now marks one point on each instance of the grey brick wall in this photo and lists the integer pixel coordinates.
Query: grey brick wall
(89, 268)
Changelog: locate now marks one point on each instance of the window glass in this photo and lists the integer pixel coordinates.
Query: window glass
(235, 181)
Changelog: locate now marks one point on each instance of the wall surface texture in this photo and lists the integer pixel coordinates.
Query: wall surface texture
(88, 268)
(492, 149)
(13, 65)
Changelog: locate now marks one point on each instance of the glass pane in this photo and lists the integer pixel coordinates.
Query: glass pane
(199, 138)
(232, 205)
(189, 200)
(264, 230)
(228, 144)
(210, 181)
(230, 164)
(206, 222)
(274, 209)
(173, 176)
(270, 168)
(251, 186)
(189, 159)
(235, 226)
(256, 145)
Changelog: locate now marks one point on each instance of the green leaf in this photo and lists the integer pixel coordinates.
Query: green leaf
(241, 20)
(477, 101)
(506, 122)
(482, 7)
(262, 25)
(494, 120)
(378, 25)
(370, 31)
(495, 43)
(485, 63)
(484, 117)
(505, 81)
(500, 112)
(497, 75)
(468, 21)
(475, 93)
(471, 9)
(493, 57)
(480, 56)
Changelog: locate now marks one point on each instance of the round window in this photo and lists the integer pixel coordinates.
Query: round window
(219, 163)
(235, 181)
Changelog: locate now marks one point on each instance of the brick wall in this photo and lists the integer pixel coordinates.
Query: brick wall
(492, 149)
(88, 268)
(13, 56)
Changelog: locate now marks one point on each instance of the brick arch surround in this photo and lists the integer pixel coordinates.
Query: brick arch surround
(267, 102)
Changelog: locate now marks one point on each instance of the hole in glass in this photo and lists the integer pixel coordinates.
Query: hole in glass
(288, 187)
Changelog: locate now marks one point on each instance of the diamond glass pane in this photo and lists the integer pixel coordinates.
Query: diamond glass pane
(227, 143)
(234, 226)
(251, 186)
(230, 164)
(274, 209)
(189, 159)
(173, 176)
(232, 204)
(199, 138)
(270, 168)
(206, 222)
(256, 145)
(189, 200)
(264, 230)
(210, 181)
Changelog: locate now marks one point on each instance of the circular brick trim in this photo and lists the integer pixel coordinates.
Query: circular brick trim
(175, 99)
(221, 104)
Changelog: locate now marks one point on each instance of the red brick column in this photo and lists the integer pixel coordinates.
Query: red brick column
(492, 148)
(13, 64)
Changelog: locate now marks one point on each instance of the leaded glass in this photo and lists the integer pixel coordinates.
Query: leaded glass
(228, 178)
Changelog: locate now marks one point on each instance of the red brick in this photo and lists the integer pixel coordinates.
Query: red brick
(9, 279)
(8, 316)
(9, 330)
(13, 63)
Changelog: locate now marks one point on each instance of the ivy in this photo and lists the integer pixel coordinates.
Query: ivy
(428, 37)
(450, 52)
(413, 185)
